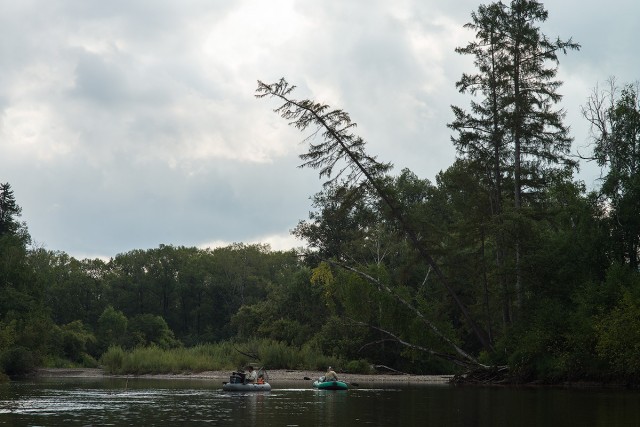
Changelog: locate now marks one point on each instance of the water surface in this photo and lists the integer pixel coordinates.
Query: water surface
(154, 402)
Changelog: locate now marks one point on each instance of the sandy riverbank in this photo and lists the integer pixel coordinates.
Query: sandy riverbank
(274, 375)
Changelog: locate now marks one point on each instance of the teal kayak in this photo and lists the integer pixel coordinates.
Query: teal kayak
(330, 385)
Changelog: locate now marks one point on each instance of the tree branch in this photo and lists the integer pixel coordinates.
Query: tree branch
(449, 357)
(341, 144)
(384, 288)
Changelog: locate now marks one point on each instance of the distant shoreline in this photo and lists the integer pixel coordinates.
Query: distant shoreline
(274, 375)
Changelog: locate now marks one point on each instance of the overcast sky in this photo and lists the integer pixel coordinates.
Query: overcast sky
(129, 124)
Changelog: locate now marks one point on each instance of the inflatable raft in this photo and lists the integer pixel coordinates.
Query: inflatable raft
(237, 383)
(330, 385)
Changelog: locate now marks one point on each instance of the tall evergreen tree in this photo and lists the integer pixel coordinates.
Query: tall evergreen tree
(9, 211)
(481, 139)
(13, 243)
(540, 139)
(515, 133)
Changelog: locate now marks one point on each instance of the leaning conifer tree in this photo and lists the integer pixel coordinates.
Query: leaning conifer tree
(340, 147)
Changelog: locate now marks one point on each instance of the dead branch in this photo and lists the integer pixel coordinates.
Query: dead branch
(466, 363)
(384, 288)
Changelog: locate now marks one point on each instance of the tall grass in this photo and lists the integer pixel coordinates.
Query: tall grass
(154, 360)
(213, 357)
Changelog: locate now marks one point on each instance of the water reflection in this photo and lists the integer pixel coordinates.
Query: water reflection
(52, 402)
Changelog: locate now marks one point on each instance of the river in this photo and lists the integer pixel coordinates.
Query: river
(155, 402)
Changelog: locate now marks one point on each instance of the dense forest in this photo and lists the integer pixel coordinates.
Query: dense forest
(505, 263)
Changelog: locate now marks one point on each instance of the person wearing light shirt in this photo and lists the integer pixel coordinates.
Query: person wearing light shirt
(330, 375)
(252, 376)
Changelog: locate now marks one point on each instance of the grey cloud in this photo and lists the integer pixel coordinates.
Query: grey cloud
(168, 144)
(100, 82)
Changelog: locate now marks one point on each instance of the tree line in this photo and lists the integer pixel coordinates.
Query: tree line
(505, 261)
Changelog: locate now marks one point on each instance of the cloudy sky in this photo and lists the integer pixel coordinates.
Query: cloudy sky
(127, 124)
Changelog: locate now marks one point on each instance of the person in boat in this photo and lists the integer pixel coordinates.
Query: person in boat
(252, 375)
(330, 375)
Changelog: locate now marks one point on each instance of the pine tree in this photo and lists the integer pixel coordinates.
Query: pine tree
(9, 211)
(515, 134)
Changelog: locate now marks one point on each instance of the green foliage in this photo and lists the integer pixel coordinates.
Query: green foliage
(75, 338)
(68, 345)
(514, 143)
(323, 278)
(111, 328)
(604, 296)
(155, 360)
(223, 356)
(536, 344)
(296, 317)
(147, 329)
(248, 319)
(17, 361)
(33, 331)
(287, 331)
(504, 258)
(290, 313)
(590, 337)
(112, 360)
(73, 287)
(339, 338)
(8, 333)
(9, 213)
(315, 359)
(277, 355)
(360, 366)
(614, 116)
(618, 338)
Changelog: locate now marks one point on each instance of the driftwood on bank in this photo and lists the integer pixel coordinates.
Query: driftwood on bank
(483, 376)
(390, 370)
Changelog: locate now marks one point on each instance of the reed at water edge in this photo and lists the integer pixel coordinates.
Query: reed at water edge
(224, 356)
